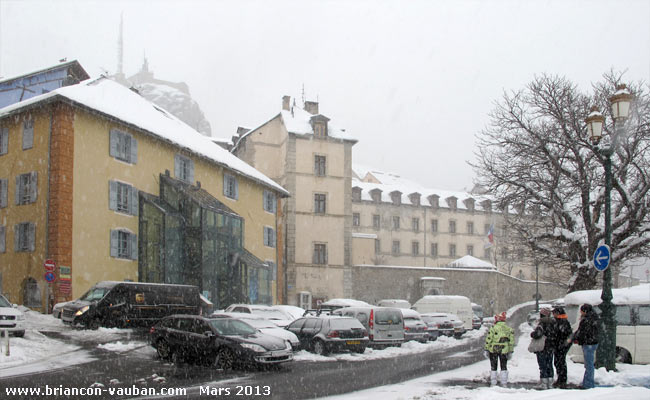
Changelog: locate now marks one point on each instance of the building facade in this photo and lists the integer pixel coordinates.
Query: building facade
(307, 154)
(111, 187)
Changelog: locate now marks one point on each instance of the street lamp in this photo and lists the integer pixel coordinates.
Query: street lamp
(620, 103)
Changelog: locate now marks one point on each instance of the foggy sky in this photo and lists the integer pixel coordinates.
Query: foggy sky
(413, 81)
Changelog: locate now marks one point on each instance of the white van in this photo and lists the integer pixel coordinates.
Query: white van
(385, 325)
(459, 305)
(632, 318)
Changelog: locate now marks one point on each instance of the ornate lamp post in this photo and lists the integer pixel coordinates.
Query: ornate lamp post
(620, 103)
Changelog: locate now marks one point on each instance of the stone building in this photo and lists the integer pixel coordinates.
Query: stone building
(309, 155)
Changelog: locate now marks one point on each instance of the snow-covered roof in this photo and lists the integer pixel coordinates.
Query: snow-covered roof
(346, 303)
(299, 122)
(63, 64)
(108, 97)
(635, 295)
(471, 262)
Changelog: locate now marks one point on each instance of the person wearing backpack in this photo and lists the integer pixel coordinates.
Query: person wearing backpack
(546, 327)
(499, 345)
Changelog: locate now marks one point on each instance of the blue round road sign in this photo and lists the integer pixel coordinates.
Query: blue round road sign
(50, 277)
(602, 257)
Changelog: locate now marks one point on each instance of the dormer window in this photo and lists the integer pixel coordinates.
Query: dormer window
(356, 193)
(319, 125)
(469, 204)
(396, 197)
(376, 195)
(415, 198)
(452, 202)
(434, 200)
(320, 130)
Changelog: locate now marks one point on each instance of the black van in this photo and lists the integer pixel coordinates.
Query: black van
(130, 304)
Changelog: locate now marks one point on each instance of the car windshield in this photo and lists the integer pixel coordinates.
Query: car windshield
(269, 314)
(232, 327)
(388, 317)
(4, 302)
(95, 294)
(345, 323)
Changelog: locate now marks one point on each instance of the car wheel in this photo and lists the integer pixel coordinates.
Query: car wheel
(225, 359)
(93, 324)
(623, 356)
(163, 349)
(19, 333)
(319, 347)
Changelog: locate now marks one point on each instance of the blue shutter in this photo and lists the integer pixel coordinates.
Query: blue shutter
(4, 189)
(112, 147)
(4, 140)
(18, 191)
(17, 237)
(3, 247)
(225, 185)
(112, 195)
(236, 187)
(177, 166)
(191, 168)
(33, 190)
(115, 237)
(134, 203)
(133, 159)
(266, 236)
(31, 236)
(28, 134)
(273, 238)
(133, 240)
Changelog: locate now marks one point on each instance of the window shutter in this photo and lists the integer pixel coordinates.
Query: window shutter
(325, 250)
(265, 200)
(134, 151)
(112, 148)
(115, 237)
(112, 195)
(225, 185)
(17, 237)
(191, 168)
(28, 134)
(177, 166)
(4, 140)
(314, 258)
(266, 236)
(236, 188)
(4, 188)
(272, 237)
(133, 239)
(134, 203)
(18, 191)
(33, 190)
(3, 247)
(31, 236)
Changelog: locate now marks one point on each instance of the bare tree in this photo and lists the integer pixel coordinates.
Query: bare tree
(537, 160)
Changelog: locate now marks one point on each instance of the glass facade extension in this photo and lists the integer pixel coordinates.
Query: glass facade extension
(189, 237)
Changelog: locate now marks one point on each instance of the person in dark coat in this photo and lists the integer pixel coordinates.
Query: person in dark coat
(561, 346)
(587, 337)
(545, 327)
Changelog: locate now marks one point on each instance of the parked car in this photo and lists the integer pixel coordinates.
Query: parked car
(223, 342)
(294, 312)
(264, 325)
(459, 325)
(324, 334)
(395, 303)
(57, 310)
(11, 318)
(335, 304)
(126, 304)
(440, 321)
(267, 312)
(385, 325)
(414, 327)
(477, 322)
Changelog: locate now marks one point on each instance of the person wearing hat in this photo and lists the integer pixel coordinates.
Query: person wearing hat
(545, 327)
(561, 345)
(499, 345)
(587, 337)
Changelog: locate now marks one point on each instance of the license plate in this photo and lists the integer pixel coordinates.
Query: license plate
(353, 342)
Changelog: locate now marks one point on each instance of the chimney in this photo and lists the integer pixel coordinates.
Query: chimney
(311, 107)
(286, 100)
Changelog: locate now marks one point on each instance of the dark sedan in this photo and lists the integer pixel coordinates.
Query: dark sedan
(222, 342)
(323, 334)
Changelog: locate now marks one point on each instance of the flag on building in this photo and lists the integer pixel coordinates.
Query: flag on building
(490, 237)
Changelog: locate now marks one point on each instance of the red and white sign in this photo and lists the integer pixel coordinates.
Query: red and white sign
(49, 265)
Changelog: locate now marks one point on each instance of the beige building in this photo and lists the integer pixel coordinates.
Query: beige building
(306, 153)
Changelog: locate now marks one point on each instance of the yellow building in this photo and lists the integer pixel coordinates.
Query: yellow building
(111, 187)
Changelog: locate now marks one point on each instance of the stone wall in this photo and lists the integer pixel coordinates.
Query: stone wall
(495, 291)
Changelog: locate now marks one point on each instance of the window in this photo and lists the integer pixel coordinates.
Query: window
(356, 219)
(28, 134)
(470, 250)
(269, 236)
(377, 246)
(4, 140)
(4, 187)
(434, 249)
(184, 168)
(3, 235)
(395, 248)
(470, 228)
(320, 165)
(320, 201)
(452, 250)
(24, 236)
(434, 225)
(230, 186)
(122, 197)
(123, 146)
(26, 188)
(415, 248)
(124, 244)
(376, 221)
(319, 129)
(320, 253)
(415, 224)
(452, 226)
(269, 201)
(395, 223)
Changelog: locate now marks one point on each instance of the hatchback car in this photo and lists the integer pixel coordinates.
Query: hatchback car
(276, 316)
(223, 342)
(414, 327)
(264, 325)
(11, 318)
(477, 322)
(324, 334)
(441, 321)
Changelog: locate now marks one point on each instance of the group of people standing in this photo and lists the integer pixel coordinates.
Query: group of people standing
(558, 336)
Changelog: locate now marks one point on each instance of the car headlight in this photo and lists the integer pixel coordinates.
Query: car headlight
(81, 311)
(254, 347)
